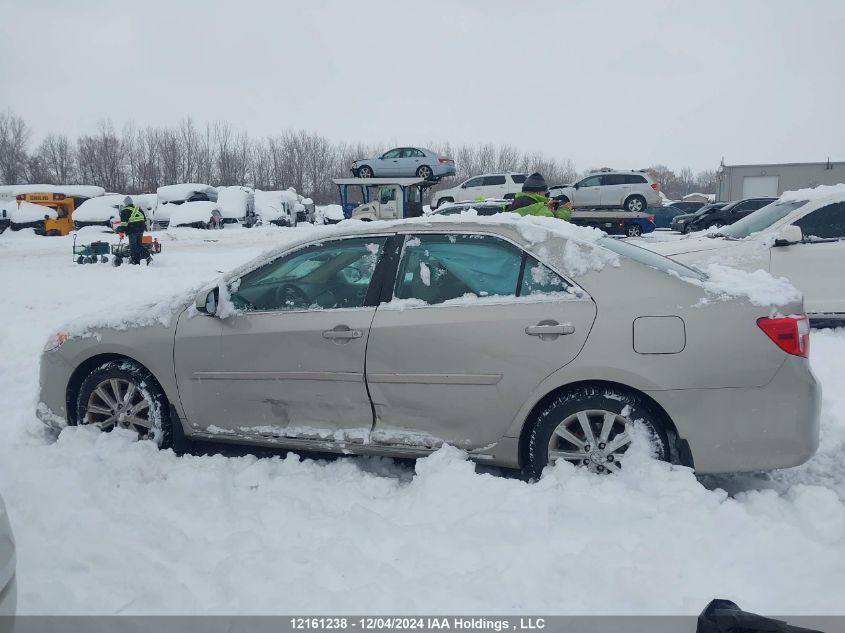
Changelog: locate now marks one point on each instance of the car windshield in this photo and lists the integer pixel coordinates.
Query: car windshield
(649, 258)
(760, 220)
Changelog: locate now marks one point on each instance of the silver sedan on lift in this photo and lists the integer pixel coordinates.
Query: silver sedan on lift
(517, 341)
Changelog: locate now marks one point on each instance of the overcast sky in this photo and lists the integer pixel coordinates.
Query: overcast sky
(623, 84)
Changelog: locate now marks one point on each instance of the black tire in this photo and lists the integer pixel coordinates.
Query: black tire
(365, 171)
(633, 230)
(147, 390)
(80, 260)
(104, 259)
(117, 261)
(442, 201)
(635, 204)
(593, 398)
(425, 172)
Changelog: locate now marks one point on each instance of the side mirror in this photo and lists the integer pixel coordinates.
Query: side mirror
(206, 301)
(577, 185)
(790, 234)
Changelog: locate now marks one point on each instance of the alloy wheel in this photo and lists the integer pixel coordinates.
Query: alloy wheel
(595, 439)
(118, 403)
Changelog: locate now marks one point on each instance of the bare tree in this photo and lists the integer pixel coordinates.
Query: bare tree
(14, 140)
(55, 155)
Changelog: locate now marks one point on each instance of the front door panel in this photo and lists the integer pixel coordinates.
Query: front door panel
(286, 373)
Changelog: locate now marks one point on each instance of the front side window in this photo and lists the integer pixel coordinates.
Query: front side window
(592, 181)
(474, 182)
(394, 153)
(324, 276)
(440, 268)
(826, 223)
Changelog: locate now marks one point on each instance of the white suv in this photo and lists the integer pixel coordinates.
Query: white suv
(498, 186)
(630, 190)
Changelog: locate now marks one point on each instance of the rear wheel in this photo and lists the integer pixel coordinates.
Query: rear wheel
(633, 230)
(365, 171)
(424, 172)
(591, 427)
(443, 201)
(123, 394)
(635, 204)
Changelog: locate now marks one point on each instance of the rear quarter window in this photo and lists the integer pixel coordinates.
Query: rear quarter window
(518, 178)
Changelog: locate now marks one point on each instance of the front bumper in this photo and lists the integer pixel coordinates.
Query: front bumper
(749, 429)
(55, 375)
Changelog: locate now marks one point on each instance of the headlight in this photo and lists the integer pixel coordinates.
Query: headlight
(55, 342)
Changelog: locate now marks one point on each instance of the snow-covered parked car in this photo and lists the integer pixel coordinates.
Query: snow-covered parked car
(276, 207)
(365, 338)
(199, 215)
(105, 210)
(236, 204)
(8, 588)
(800, 236)
(328, 214)
(172, 196)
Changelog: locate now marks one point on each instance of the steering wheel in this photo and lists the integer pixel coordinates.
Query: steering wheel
(292, 296)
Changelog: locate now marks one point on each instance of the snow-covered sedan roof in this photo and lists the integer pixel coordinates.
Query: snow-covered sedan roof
(99, 209)
(181, 192)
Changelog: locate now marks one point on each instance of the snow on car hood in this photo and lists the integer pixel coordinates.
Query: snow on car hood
(99, 209)
(191, 212)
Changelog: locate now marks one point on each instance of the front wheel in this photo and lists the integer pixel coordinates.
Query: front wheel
(424, 172)
(365, 172)
(635, 204)
(591, 427)
(633, 230)
(123, 394)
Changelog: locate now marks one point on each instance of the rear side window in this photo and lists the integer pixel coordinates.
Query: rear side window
(634, 179)
(518, 178)
(614, 179)
(439, 268)
(494, 180)
(825, 223)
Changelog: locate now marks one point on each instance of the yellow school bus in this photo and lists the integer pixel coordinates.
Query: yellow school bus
(63, 206)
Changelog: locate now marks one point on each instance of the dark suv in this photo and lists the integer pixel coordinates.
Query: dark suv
(728, 214)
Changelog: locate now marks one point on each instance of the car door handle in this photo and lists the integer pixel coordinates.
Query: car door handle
(342, 334)
(549, 329)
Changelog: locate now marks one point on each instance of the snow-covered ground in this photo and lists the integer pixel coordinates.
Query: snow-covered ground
(106, 524)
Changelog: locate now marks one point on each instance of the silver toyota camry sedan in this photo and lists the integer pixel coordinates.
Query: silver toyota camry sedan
(520, 343)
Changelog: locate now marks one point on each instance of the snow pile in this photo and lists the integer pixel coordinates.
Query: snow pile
(234, 202)
(189, 213)
(75, 191)
(99, 209)
(179, 193)
(759, 287)
(31, 212)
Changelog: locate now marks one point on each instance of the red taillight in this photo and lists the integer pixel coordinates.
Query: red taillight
(443, 159)
(58, 196)
(20, 197)
(791, 334)
(651, 219)
(655, 186)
